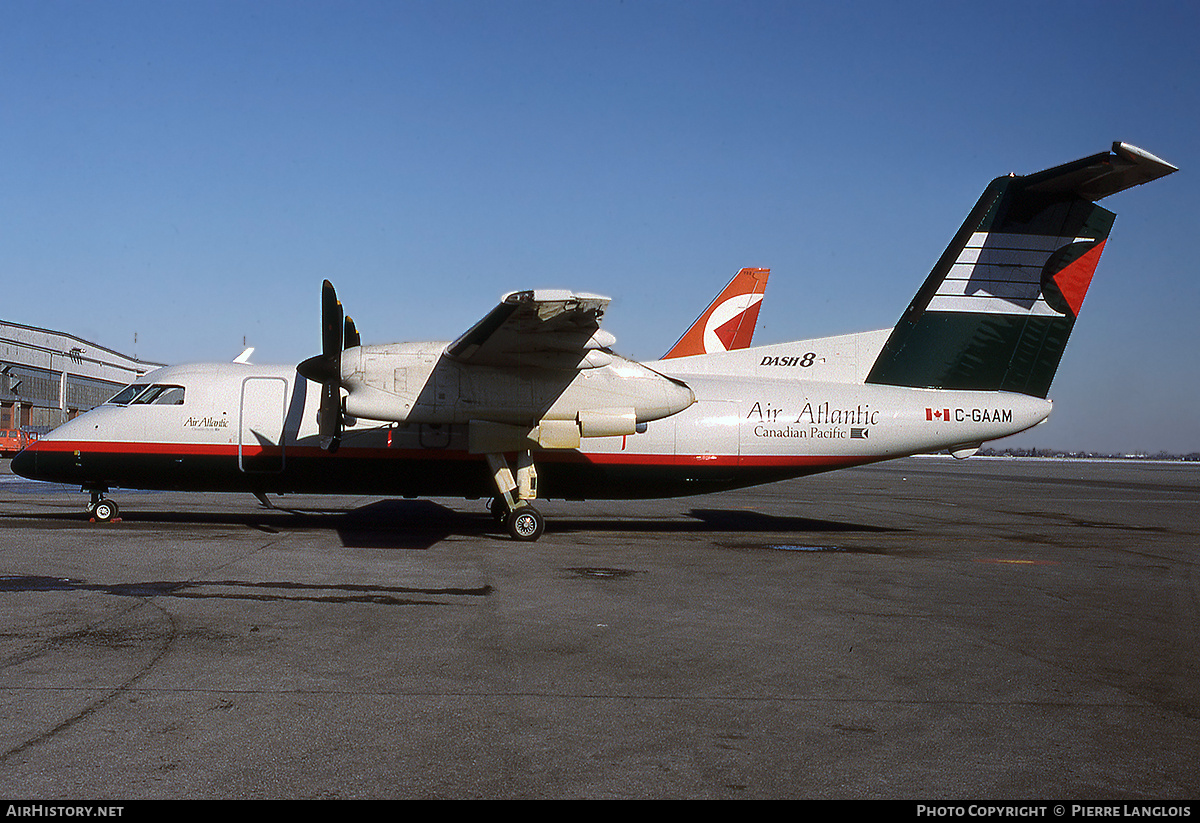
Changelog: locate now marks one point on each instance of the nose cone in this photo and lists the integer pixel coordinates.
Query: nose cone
(49, 459)
(25, 462)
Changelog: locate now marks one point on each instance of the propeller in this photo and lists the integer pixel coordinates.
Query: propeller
(337, 333)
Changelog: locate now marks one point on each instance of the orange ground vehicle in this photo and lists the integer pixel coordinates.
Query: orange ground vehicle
(13, 440)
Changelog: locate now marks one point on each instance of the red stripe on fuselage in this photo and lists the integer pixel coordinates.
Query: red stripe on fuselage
(350, 453)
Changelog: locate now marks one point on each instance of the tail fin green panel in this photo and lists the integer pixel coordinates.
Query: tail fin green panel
(997, 309)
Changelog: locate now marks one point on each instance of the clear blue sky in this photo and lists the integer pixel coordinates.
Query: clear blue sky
(191, 171)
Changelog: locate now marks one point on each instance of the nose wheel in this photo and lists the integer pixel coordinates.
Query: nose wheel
(101, 509)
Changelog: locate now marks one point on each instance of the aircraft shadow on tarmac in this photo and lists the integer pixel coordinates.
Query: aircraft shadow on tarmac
(385, 524)
(421, 524)
(381, 524)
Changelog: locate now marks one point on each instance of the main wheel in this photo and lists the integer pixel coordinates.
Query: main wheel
(105, 511)
(525, 523)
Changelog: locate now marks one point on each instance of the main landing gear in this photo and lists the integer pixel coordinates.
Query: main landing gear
(101, 509)
(512, 507)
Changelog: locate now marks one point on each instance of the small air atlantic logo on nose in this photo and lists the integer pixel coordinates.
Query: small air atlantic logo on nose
(206, 423)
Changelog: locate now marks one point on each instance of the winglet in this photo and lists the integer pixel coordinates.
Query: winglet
(728, 322)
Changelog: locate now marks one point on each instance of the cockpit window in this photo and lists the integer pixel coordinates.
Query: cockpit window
(127, 394)
(160, 396)
(171, 396)
(139, 394)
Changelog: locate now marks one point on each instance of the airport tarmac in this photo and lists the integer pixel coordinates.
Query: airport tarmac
(923, 629)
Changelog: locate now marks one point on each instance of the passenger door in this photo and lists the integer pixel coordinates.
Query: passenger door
(260, 427)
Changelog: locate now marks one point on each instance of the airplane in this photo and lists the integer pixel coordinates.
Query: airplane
(728, 322)
(532, 401)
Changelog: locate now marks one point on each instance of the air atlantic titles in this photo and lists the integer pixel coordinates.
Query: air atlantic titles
(817, 421)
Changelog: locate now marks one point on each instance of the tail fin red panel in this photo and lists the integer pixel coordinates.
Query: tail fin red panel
(728, 322)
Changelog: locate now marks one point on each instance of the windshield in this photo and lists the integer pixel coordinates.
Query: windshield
(139, 394)
(126, 394)
(160, 396)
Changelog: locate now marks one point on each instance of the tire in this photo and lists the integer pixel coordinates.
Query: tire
(105, 511)
(526, 524)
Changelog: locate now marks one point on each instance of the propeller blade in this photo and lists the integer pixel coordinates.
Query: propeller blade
(331, 320)
(326, 367)
(329, 419)
(336, 335)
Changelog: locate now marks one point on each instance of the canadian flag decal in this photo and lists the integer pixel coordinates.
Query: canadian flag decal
(941, 415)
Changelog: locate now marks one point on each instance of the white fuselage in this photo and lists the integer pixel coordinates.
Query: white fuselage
(250, 427)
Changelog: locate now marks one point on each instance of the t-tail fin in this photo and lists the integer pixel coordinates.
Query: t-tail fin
(997, 309)
(728, 323)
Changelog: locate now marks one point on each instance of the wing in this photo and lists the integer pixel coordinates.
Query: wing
(550, 328)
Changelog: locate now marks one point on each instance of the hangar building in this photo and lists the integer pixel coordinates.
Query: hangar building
(48, 377)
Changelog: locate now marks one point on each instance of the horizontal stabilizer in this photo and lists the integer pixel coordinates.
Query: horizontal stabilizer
(1100, 175)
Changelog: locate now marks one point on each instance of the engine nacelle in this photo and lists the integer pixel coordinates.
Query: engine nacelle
(416, 383)
(489, 437)
(607, 422)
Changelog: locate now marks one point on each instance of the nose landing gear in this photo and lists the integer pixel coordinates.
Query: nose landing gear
(101, 509)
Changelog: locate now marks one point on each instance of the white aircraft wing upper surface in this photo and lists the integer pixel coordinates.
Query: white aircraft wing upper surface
(552, 328)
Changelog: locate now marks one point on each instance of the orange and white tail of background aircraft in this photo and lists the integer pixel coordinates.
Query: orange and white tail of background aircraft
(533, 401)
(728, 323)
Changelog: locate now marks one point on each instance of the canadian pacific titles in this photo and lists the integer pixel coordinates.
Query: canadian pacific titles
(816, 421)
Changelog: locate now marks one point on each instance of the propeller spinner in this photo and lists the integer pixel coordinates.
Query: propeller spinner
(337, 333)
